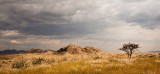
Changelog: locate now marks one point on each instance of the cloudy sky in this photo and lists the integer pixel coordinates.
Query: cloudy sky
(105, 24)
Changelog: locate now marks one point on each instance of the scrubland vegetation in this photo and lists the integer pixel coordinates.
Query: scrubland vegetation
(80, 62)
(111, 66)
(89, 65)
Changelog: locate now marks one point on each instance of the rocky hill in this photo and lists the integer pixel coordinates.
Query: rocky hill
(91, 50)
(74, 49)
(35, 50)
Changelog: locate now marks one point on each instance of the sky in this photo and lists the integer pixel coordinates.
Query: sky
(104, 24)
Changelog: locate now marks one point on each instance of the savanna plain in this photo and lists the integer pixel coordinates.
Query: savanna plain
(73, 60)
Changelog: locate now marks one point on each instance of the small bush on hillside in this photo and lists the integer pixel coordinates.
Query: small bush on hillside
(4, 62)
(49, 61)
(37, 61)
(64, 59)
(97, 57)
(20, 64)
(113, 61)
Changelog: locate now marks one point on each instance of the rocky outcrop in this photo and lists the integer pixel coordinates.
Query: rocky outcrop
(91, 50)
(74, 49)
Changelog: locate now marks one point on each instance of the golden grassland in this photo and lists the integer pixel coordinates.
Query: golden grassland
(102, 63)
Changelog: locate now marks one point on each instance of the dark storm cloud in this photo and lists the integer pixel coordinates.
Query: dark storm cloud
(26, 24)
(58, 17)
(25, 17)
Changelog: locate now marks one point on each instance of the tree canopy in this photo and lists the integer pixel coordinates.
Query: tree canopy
(129, 48)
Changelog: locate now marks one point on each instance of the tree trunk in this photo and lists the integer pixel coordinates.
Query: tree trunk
(130, 55)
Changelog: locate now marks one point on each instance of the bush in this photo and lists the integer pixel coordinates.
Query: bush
(20, 64)
(97, 57)
(37, 61)
(49, 61)
(5, 62)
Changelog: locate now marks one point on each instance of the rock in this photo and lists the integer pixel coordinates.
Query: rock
(91, 50)
(74, 49)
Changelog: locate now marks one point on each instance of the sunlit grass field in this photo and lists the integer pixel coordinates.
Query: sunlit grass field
(98, 66)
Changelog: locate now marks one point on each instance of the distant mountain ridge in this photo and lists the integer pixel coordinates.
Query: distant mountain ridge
(155, 51)
(13, 51)
(35, 50)
(71, 49)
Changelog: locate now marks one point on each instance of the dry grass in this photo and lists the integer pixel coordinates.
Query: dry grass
(101, 66)
(108, 63)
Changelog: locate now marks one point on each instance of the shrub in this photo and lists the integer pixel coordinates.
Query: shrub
(49, 61)
(4, 62)
(113, 61)
(97, 57)
(37, 61)
(20, 64)
(64, 59)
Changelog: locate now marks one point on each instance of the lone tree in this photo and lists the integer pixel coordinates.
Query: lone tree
(129, 48)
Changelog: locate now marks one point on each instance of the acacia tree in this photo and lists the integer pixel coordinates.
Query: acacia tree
(129, 48)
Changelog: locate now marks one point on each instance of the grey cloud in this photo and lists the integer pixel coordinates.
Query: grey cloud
(144, 20)
(133, 0)
(53, 20)
(69, 19)
(143, 13)
(57, 17)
